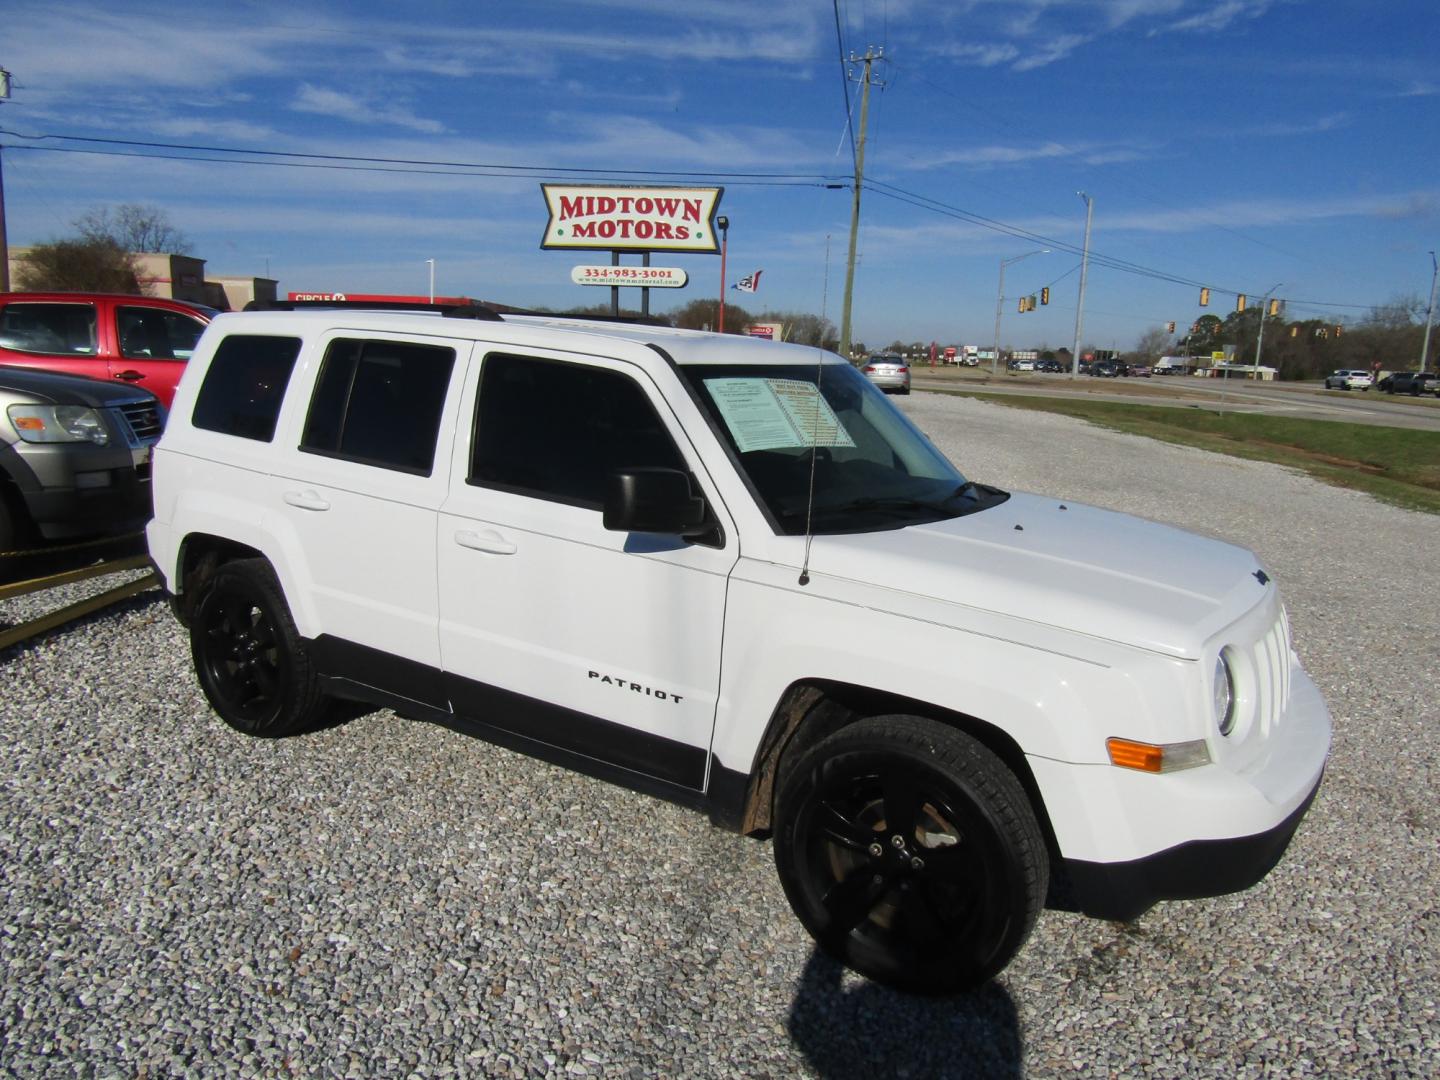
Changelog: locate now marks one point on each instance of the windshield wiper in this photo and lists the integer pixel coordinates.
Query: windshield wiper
(885, 504)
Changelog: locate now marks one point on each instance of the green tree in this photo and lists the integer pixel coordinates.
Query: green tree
(86, 265)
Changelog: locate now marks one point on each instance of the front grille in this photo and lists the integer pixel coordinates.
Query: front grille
(142, 420)
(1271, 658)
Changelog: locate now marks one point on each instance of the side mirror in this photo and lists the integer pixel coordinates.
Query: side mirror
(654, 500)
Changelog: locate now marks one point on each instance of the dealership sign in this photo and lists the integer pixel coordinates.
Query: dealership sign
(651, 277)
(630, 218)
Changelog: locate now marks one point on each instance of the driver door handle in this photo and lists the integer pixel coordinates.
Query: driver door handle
(130, 375)
(306, 500)
(488, 541)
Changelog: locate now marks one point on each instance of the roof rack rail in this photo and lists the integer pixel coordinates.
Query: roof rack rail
(449, 311)
(640, 320)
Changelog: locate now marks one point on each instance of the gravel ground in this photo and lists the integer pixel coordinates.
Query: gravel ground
(389, 898)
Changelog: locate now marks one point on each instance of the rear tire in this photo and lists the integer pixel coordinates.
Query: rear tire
(911, 854)
(250, 659)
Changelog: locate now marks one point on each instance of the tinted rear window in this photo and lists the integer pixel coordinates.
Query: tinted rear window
(379, 403)
(245, 385)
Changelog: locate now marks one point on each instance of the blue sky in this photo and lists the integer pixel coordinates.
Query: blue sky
(1236, 143)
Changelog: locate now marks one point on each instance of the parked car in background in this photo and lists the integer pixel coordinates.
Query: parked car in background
(1139, 371)
(889, 372)
(1105, 369)
(141, 340)
(1021, 365)
(74, 456)
(1348, 379)
(1414, 383)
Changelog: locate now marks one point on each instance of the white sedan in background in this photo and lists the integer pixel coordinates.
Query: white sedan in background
(1348, 379)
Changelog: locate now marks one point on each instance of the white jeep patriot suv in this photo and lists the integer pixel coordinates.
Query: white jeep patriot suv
(660, 557)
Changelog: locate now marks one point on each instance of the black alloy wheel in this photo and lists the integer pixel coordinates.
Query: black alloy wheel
(911, 854)
(248, 655)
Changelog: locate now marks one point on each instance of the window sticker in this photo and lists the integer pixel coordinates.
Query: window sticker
(776, 414)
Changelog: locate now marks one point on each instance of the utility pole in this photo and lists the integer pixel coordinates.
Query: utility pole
(1084, 271)
(4, 245)
(871, 55)
(1429, 312)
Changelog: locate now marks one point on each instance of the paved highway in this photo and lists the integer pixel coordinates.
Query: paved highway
(1308, 401)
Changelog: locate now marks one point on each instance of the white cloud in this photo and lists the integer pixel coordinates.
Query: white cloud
(981, 55)
(1050, 51)
(326, 102)
(1220, 16)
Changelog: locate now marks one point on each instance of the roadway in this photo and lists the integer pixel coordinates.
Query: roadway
(1306, 401)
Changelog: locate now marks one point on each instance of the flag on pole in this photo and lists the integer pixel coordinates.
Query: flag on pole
(749, 283)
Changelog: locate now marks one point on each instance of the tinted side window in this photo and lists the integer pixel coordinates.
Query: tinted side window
(558, 430)
(155, 334)
(379, 402)
(245, 385)
(63, 329)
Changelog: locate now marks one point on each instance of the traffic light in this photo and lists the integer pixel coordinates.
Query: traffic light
(1294, 330)
(1204, 297)
(1240, 302)
(1170, 327)
(1274, 307)
(1337, 330)
(1045, 295)
(1032, 301)
(1021, 308)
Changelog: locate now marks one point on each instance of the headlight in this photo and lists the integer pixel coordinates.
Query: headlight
(58, 423)
(1223, 689)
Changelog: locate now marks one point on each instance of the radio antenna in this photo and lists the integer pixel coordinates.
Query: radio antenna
(814, 453)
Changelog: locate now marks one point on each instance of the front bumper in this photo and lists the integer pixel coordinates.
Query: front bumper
(1128, 839)
(1200, 868)
(73, 492)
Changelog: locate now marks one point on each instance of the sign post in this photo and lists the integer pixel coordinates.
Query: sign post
(637, 219)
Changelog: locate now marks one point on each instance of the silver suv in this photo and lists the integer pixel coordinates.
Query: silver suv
(74, 456)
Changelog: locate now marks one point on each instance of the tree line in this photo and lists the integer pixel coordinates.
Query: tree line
(1389, 336)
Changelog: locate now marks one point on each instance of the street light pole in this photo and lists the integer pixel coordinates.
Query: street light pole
(1429, 313)
(724, 223)
(1260, 338)
(1000, 302)
(1084, 271)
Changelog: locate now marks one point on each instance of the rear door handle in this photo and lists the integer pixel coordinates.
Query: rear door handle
(306, 500)
(130, 376)
(489, 541)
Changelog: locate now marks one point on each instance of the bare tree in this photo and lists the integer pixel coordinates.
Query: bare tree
(1152, 344)
(133, 227)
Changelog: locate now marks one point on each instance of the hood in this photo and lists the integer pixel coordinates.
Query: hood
(1063, 564)
(61, 388)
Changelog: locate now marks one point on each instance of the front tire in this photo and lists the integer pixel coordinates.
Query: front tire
(251, 661)
(911, 854)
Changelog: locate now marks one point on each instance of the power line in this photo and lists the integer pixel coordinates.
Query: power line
(845, 84)
(419, 164)
(1131, 187)
(440, 167)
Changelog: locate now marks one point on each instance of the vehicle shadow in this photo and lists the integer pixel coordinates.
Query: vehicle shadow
(869, 1031)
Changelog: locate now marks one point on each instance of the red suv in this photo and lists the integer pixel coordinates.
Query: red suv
(141, 340)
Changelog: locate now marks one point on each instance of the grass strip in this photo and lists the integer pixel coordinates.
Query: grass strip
(1397, 465)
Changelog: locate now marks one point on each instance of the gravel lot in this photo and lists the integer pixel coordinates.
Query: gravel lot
(389, 898)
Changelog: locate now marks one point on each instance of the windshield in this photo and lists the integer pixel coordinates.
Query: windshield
(872, 468)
